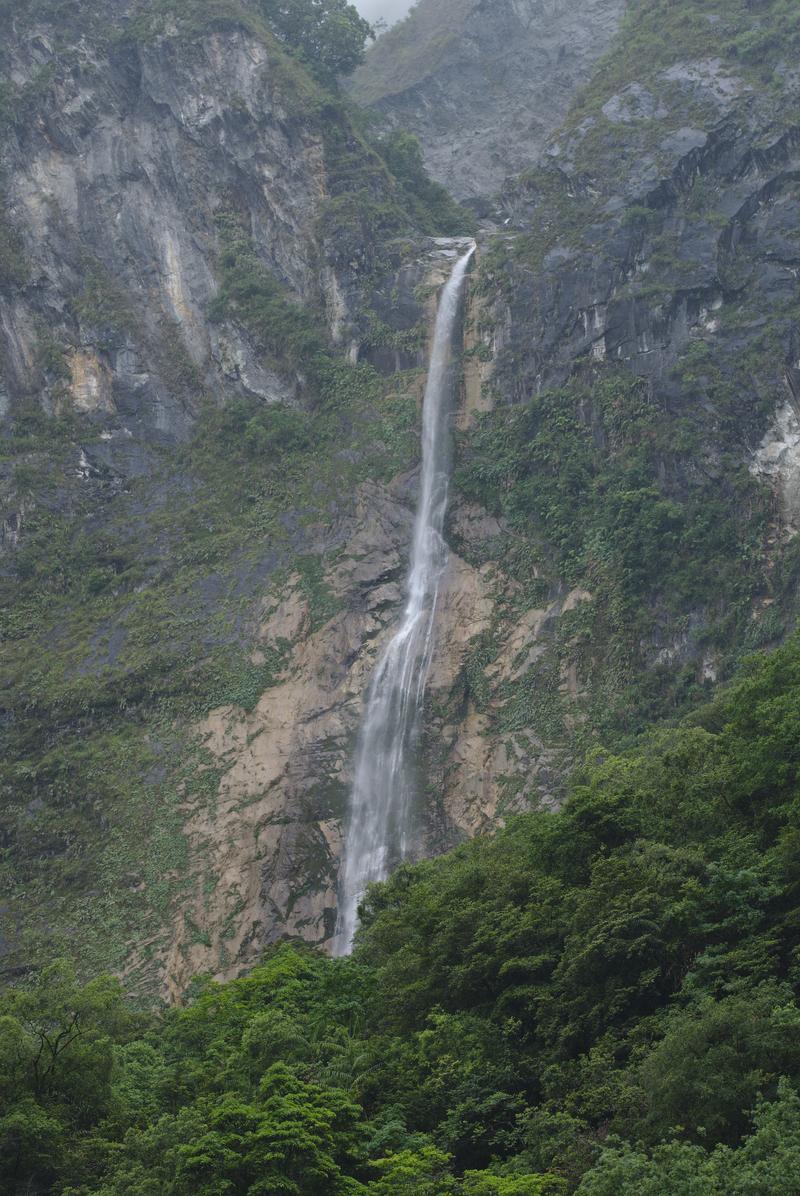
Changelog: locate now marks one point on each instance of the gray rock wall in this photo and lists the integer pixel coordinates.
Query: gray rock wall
(484, 82)
(129, 155)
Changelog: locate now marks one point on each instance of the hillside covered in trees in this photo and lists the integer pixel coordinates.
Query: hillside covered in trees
(602, 1000)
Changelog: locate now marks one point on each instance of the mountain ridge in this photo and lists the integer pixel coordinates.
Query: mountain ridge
(210, 453)
(483, 85)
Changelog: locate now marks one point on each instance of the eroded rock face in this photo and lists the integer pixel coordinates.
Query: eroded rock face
(273, 841)
(118, 180)
(777, 460)
(114, 189)
(484, 82)
(265, 855)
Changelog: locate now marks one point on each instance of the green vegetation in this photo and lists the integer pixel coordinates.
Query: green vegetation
(657, 33)
(629, 481)
(328, 33)
(380, 196)
(433, 209)
(113, 632)
(591, 483)
(100, 303)
(602, 1000)
(720, 43)
(327, 36)
(13, 265)
(283, 329)
(131, 609)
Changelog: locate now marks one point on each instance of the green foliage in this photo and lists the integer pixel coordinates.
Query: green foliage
(414, 1173)
(51, 357)
(601, 1000)
(56, 1064)
(13, 263)
(100, 304)
(120, 633)
(258, 1086)
(355, 226)
(629, 965)
(328, 33)
(658, 33)
(592, 480)
(544, 466)
(635, 947)
(626, 963)
(432, 207)
(772, 35)
(481, 1183)
(277, 430)
(638, 216)
(766, 1164)
(380, 191)
(249, 293)
(638, 493)
(711, 1064)
(292, 1139)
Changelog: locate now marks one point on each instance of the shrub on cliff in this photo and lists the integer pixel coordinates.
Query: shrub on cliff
(328, 33)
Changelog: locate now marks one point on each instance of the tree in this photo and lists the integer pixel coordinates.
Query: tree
(56, 1060)
(329, 33)
(414, 1173)
(482, 1183)
(767, 1164)
(716, 1057)
(433, 208)
(298, 1139)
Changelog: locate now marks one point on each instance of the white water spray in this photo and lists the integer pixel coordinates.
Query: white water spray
(380, 826)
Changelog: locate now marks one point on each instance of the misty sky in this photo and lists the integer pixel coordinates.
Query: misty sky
(390, 10)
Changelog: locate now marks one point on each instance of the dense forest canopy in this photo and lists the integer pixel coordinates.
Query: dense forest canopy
(602, 1000)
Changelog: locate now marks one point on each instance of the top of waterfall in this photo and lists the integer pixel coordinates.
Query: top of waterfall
(452, 248)
(455, 241)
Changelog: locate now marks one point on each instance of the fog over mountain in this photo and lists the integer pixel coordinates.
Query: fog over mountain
(386, 10)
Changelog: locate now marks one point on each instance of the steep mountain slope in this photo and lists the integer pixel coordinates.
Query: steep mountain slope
(641, 447)
(216, 291)
(140, 160)
(216, 294)
(602, 1000)
(484, 82)
(196, 244)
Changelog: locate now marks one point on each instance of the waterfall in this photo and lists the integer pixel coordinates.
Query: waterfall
(380, 820)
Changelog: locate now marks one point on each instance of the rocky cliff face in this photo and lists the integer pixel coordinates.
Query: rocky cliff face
(113, 187)
(483, 83)
(215, 311)
(210, 358)
(273, 836)
(642, 442)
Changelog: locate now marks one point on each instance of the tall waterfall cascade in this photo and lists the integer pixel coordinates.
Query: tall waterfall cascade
(381, 817)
